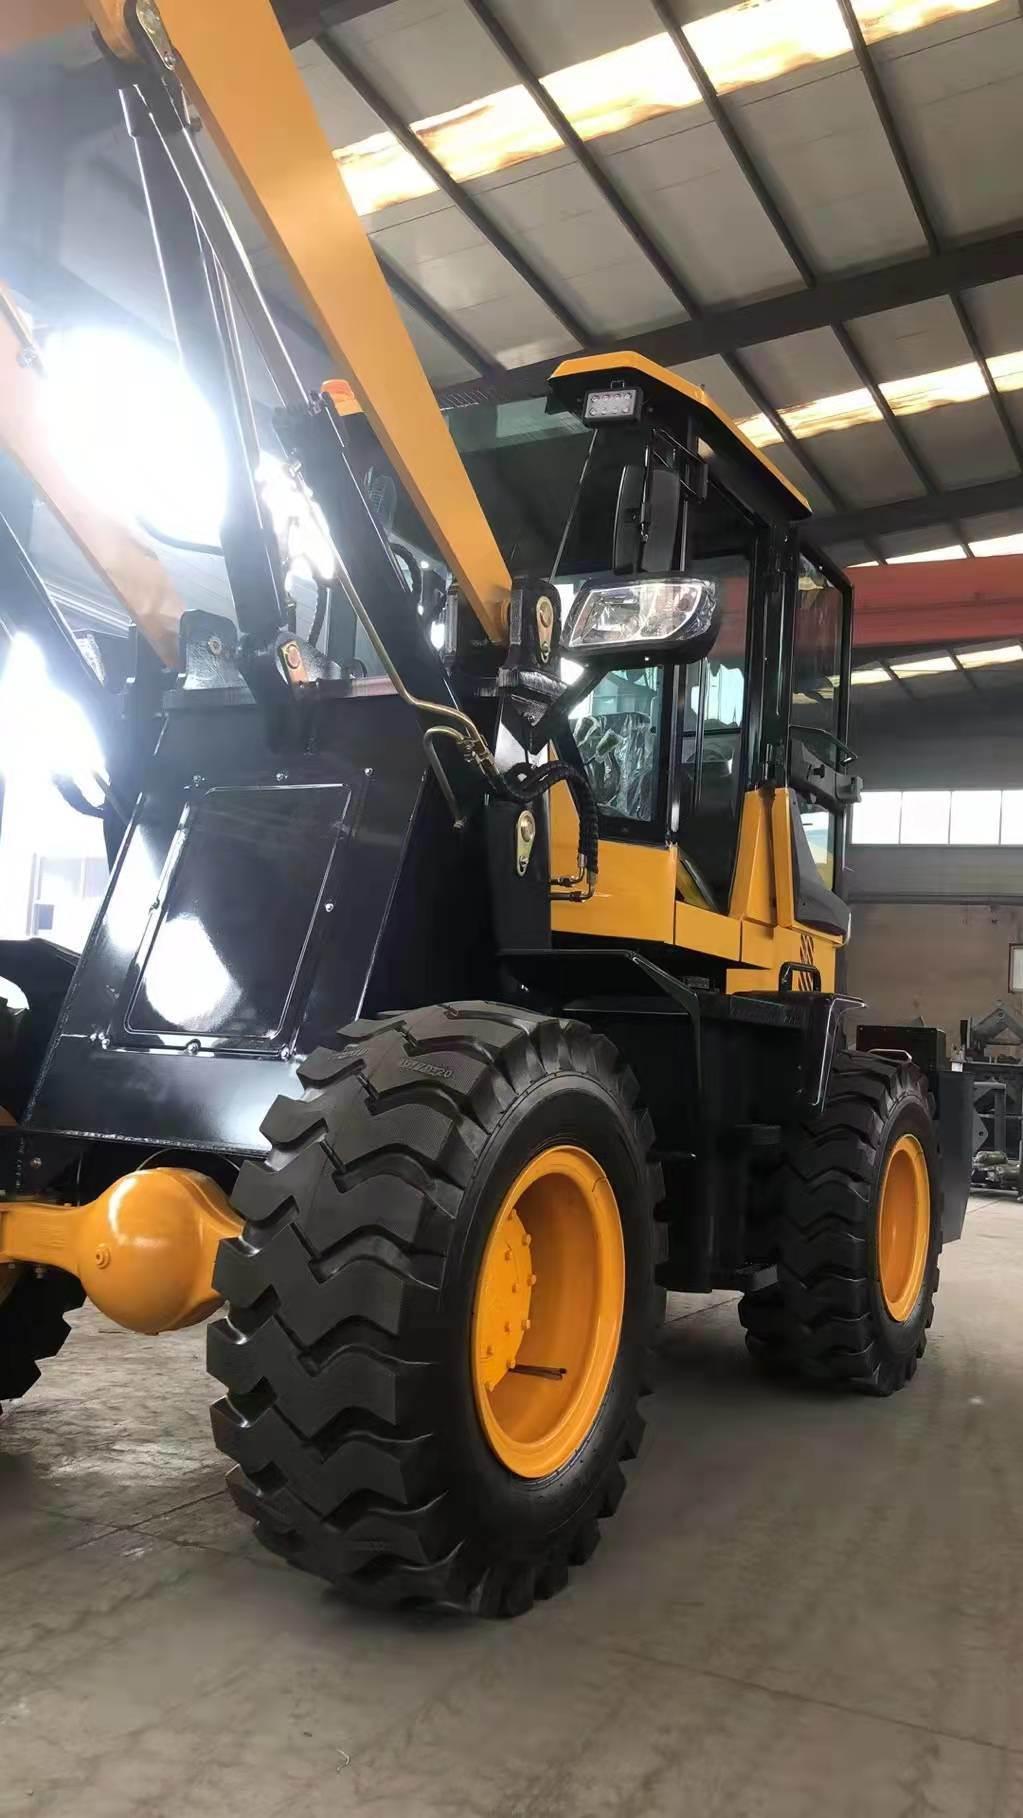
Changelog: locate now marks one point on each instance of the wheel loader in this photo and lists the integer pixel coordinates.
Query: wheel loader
(468, 973)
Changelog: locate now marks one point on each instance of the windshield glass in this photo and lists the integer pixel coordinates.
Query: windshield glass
(525, 467)
(523, 464)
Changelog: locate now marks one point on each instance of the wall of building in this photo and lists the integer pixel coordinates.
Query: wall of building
(932, 926)
(936, 961)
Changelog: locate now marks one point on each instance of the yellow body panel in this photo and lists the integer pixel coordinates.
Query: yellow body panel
(634, 899)
(638, 897)
(781, 847)
(244, 81)
(635, 894)
(753, 885)
(610, 362)
(707, 932)
(773, 949)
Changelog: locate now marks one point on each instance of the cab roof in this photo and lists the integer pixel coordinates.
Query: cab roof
(677, 402)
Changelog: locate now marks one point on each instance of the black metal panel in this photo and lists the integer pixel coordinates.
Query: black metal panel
(201, 973)
(955, 1138)
(43, 971)
(159, 1099)
(241, 923)
(437, 942)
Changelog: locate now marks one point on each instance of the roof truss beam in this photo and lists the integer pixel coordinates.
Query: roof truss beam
(967, 265)
(924, 513)
(455, 191)
(666, 270)
(727, 126)
(914, 190)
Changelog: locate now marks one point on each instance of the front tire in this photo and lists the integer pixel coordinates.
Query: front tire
(32, 1323)
(856, 1236)
(380, 1438)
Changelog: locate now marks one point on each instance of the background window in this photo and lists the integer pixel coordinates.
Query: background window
(1016, 968)
(925, 817)
(875, 820)
(1012, 817)
(976, 817)
(938, 817)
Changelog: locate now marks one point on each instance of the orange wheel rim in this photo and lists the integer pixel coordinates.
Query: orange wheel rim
(547, 1318)
(904, 1226)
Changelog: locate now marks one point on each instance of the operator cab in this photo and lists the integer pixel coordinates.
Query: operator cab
(670, 486)
(625, 472)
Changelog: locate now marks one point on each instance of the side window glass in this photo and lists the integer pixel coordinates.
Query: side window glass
(618, 730)
(816, 673)
(710, 793)
(819, 827)
(817, 650)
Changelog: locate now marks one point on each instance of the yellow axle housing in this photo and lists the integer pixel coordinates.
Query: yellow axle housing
(144, 1251)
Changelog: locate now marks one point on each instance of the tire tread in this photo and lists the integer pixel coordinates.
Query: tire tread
(325, 1352)
(818, 1319)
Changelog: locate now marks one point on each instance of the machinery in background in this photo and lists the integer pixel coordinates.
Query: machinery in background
(438, 1017)
(997, 1079)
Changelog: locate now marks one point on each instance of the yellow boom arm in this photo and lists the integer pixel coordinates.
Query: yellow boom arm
(240, 75)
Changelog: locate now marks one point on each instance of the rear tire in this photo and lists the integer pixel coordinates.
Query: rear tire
(32, 1324)
(841, 1311)
(347, 1351)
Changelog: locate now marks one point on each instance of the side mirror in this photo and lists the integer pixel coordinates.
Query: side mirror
(627, 547)
(624, 624)
(646, 525)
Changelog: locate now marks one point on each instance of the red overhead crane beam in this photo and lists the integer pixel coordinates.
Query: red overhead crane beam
(958, 603)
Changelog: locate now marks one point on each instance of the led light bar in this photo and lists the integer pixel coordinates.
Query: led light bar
(620, 404)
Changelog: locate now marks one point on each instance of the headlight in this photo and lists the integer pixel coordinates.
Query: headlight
(660, 614)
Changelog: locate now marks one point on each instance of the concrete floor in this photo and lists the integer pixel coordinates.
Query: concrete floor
(806, 1607)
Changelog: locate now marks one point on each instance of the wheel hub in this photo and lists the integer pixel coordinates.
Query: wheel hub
(904, 1226)
(548, 1311)
(505, 1294)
